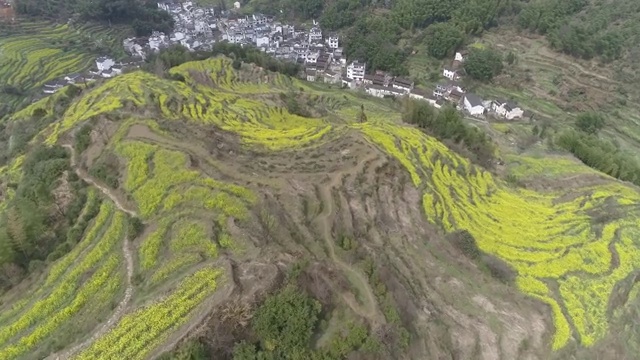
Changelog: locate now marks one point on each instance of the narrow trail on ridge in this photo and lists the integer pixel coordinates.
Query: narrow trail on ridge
(324, 220)
(126, 249)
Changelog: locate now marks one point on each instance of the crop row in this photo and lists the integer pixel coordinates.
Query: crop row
(140, 332)
(87, 292)
(68, 286)
(32, 59)
(62, 265)
(541, 238)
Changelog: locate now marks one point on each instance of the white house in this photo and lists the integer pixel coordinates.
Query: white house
(460, 56)
(418, 94)
(236, 5)
(333, 42)
(331, 77)
(53, 87)
(262, 41)
(104, 63)
(348, 83)
(312, 57)
(507, 109)
(402, 84)
(356, 70)
(451, 74)
(311, 75)
(473, 105)
(315, 34)
(382, 91)
(157, 40)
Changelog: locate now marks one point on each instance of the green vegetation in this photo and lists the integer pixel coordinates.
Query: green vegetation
(442, 39)
(226, 140)
(601, 155)
(483, 64)
(591, 34)
(176, 55)
(447, 125)
(28, 234)
(590, 123)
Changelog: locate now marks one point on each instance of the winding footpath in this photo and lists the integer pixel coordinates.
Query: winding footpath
(324, 220)
(126, 249)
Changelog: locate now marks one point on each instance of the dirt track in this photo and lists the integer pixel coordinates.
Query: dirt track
(126, 250)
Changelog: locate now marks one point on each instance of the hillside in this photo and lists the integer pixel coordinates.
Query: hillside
(207, 202)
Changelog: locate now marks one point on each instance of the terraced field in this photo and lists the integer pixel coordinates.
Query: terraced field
(33, 53)
(226, 178)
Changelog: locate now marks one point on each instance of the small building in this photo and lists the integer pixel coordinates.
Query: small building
(348, 83)
(403, 84)
(310, 75)
(455, 96)
(236, 5)
(440, 90)
(419, 94)
(376, 79)
(333, 42)
(331, 77)
(507, 109)
(315, 35)
(104, 63)
(460, 56)
(473, 105)
(382, 91)
(356, 70)
(451, 74)
(52, 87)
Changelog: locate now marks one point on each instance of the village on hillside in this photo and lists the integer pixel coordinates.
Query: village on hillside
(318, 53)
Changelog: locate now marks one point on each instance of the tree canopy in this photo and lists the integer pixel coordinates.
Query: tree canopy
(483, 64)
(443, 39)
(590, 123)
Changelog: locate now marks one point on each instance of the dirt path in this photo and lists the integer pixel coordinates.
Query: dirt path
(369, 309)
(88, 179)
(128, 256)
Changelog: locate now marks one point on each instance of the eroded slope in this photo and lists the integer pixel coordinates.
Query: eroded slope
(233, 189)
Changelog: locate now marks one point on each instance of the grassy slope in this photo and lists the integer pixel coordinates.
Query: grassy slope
(568, 254)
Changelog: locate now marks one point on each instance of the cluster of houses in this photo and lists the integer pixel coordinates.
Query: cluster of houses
(320, 55)
(381, 84)
(105, 68)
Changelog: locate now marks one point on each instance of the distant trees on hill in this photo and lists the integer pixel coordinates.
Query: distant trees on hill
(586, 36)
(448, 126)
(143, 16)
(178, 54)
(483, 64)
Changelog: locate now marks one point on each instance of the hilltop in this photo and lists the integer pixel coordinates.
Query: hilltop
(205, 211)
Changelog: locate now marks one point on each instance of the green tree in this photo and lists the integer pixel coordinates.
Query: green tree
(443, 39)
(483, 64)
(286, 321)
(590, 123)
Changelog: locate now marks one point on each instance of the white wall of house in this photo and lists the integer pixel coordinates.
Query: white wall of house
(356, 71)
(473, 110)
(105, 64)
(401, 88)
(516, 113)
(449, 74)
(459, 57)
(262, 41)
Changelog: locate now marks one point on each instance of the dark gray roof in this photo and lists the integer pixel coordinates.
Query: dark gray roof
(473, 99)
(510, 106)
